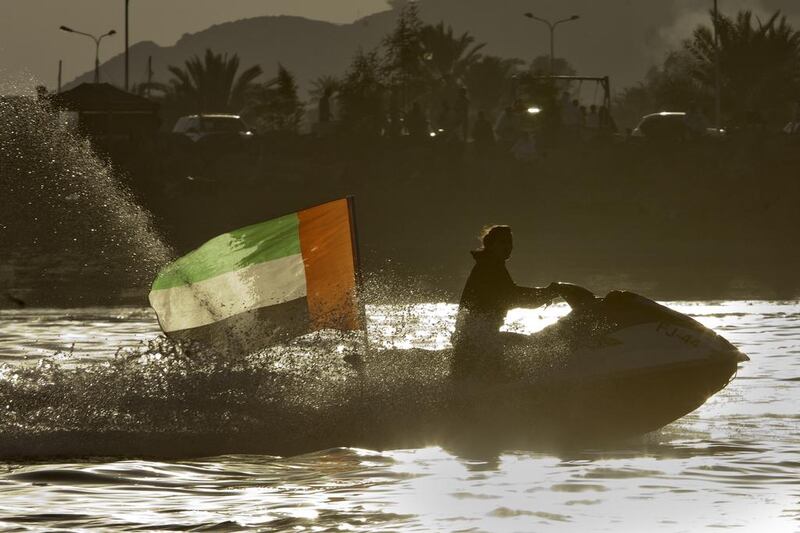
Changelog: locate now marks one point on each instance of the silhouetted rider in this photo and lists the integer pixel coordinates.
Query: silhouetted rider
(488, 295)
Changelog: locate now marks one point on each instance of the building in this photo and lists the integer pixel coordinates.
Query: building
(105, 113)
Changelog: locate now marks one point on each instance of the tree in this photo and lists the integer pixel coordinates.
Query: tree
(361, 95)
(275, 105)
(673, 85)
(670, 87)
(489, 81)
(759, 62)
(561, 67)
(324, 85)
(210, 85)
(403, 63)
(448, 58)
(759, 72)
(632, 103)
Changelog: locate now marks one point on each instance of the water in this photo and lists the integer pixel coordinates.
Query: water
(733, 463)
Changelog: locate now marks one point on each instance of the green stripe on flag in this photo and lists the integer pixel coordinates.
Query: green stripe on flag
(232, 251)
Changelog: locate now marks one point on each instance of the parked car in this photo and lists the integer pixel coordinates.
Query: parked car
(213, 129)
(673, 126)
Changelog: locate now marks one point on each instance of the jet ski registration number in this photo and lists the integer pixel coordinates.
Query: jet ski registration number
(679, 333)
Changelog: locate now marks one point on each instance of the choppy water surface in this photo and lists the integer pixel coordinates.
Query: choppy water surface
(734, 463)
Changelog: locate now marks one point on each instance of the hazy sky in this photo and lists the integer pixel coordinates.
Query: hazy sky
(31, 42)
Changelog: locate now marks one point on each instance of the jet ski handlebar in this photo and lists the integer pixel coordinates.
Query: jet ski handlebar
(575, 295)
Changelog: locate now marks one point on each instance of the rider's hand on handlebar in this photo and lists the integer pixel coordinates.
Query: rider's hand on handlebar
(553, 290)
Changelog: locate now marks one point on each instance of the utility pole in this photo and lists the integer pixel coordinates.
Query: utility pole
(60, 65)
(127, 52)
(149, 73)
(717, 80)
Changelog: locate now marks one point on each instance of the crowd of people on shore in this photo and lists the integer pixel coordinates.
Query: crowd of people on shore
(523, 128)
(519, 129)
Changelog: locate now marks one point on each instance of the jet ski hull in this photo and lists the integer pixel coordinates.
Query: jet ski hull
(619, 367)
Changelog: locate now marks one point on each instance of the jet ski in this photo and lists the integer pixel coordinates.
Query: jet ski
(615, 367)
(612, 368)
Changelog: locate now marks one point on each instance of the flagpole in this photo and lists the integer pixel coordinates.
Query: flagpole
(351, 207)
(359, 362)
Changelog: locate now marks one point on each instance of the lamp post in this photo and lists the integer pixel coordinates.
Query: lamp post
(127, 55)
(717, 76)
(552, 27)
(97, 47)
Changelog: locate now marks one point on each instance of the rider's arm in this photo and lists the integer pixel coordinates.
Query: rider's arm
(535, 296)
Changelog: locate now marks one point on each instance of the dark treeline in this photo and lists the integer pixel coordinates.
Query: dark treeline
(417, 63)
(759, 63)
(428, 65)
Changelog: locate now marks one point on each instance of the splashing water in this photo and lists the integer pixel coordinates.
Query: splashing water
(303, 394)
(163, 398)
(66, 218)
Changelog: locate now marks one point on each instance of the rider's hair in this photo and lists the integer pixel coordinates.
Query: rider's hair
(491, 233)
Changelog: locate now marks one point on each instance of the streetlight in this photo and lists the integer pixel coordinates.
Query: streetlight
(127, 54)
(552, 27)
(97, 47)
(717, 77)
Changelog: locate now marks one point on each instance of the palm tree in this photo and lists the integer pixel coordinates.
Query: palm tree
(448, 57)
(324, 85)
(275, 105)
(210, 84)
(759, 61)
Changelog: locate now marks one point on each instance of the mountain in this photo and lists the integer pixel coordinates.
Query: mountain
(308, 48)
(619, 38)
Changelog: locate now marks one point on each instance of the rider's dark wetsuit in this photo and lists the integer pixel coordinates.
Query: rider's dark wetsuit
(488, 295)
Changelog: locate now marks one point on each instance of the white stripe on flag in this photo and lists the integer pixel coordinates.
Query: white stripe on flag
(211, 300)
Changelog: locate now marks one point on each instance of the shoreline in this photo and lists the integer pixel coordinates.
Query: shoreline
(703, 221)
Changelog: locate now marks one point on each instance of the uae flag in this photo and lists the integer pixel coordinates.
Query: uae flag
(265, 283)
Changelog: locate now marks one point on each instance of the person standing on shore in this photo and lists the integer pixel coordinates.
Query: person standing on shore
(482, 133)
(416, 125)
(571, 114)
(325, 106)
(462, 115)
(506, 129)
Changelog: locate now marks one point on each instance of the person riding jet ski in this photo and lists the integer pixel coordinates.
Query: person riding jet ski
(488, 295)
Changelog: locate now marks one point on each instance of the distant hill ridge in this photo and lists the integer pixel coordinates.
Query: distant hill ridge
(309, 48)
(599, 43)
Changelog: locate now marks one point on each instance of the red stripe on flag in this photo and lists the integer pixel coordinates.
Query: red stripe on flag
(327, 247)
